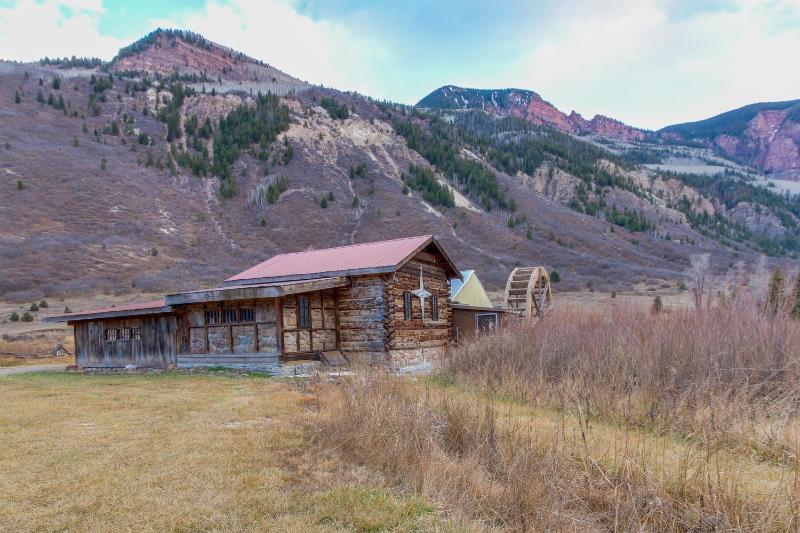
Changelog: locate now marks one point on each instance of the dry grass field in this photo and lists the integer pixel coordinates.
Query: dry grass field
(180, 452)
(613, 419)
(610, 420)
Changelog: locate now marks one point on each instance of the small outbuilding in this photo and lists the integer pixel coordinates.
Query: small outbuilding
(473, 312)
(470, 291)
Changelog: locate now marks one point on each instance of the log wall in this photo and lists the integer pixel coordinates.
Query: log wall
(414, 334)
(155, 348)
(362, 315)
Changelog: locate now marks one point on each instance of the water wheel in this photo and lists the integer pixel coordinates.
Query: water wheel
(528, 291)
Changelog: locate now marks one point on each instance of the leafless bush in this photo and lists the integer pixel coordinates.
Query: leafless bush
(488, 461)
(727, 374)
(605, 420)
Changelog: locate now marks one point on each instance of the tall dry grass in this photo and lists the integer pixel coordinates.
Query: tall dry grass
(728, 374)
(614, 420)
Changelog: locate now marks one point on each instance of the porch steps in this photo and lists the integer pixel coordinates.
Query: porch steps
(333, 358)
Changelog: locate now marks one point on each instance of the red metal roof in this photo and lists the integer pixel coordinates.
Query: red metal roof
(342, 260)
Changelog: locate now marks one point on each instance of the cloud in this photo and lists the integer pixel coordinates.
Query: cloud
(30, 30)
(647, 62)
(652, 63)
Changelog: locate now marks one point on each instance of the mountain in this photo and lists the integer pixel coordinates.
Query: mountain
(182, 161)
(764, 136)
(530, 106)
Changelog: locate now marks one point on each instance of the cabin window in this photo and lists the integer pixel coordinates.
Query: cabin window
(434, 307)
(246, 314)
(407, 305)
(136, 334)
(304, 312)
(111, 334)
(212, 317)
(124, 334)
(229, 316)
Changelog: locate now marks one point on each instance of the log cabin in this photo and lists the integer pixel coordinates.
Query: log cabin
(379, 301)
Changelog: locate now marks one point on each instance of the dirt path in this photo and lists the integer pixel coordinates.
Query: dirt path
(8, 371)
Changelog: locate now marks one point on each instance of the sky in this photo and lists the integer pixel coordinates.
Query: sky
(649, 63)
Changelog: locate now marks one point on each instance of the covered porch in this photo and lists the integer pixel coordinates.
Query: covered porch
(258, 325)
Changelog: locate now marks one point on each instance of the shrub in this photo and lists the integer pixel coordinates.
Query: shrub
(27, 317)
(34, 307)
(67, 310)
(154, 252)
(20, 185)
(658, 305)
(555, 277)
(43, 304)
(14, 317)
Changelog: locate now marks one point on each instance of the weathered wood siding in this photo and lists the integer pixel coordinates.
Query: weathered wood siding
(155, 348)
(321, 335)
(362, 314)
(258, 336)
(467, 322)
(414, 334)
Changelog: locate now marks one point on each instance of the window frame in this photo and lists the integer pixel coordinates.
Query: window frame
(434, 308)
(408, 305)
(246, 315)
(213, 313)
(136, 334)
(230, 315)
(111, 334)
(303, 312)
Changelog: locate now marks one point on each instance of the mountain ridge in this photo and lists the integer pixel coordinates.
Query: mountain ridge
(764, 136)
(151, 176)
(529, 105)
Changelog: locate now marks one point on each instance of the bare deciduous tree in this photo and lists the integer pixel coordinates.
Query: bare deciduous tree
(699, 275)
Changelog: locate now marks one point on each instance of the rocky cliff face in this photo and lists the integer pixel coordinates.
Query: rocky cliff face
(202, 63)
(530, 106)
(764, 136)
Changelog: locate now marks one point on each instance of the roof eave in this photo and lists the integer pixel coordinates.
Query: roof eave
(108, 314)
(449, 262)
(249, 292)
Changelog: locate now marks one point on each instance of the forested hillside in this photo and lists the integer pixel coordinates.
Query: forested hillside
(182, 161)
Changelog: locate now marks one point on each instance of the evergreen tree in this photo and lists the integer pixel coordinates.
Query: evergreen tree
(658, 305)
(17, 98)
(775, 293)
(796, 297)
